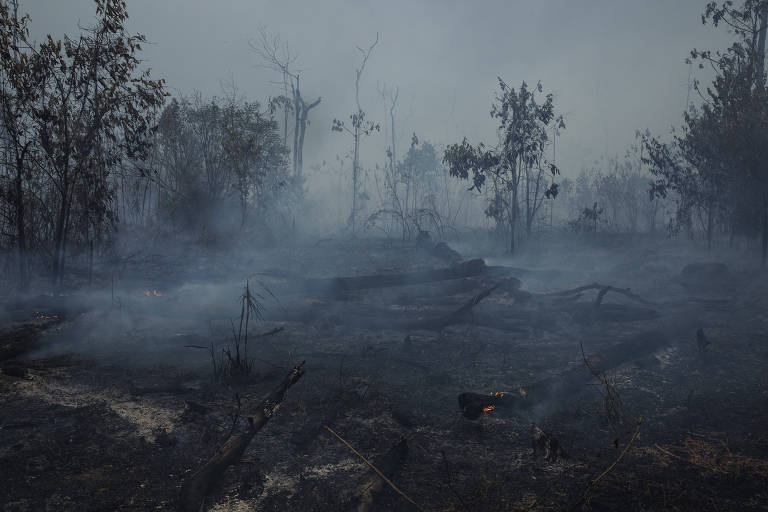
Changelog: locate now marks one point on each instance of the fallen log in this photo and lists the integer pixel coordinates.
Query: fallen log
(463, 314)
(367, 317)
(573, 380)
(604, 289)
(194, 489)
(340, 286)
(553, 390)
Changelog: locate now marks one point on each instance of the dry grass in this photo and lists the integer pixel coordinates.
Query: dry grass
(710, 456)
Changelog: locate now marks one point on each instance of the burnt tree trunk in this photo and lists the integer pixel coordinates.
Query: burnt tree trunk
(194, 489)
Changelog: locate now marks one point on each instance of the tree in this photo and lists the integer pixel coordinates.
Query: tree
(360, 127)
(19, 91)
(717, 164)
(518, 158)
(96, 109)
(213, 154)
(277, 57)
(73, 111)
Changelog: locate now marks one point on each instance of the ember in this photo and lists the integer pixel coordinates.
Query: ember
(43, 316)
(155, 293)
(487, 410)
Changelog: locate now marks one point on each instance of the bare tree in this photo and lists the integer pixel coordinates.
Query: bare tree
(277, 56)
(359, 127)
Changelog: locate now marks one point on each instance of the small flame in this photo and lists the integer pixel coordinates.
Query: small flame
(150, 293)
(487, 410)
(523, 393)
(166, 431)
(496, 394)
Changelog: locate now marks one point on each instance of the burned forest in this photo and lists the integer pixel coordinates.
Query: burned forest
(372, 256)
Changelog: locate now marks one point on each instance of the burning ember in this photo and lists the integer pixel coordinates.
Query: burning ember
(155, 293)
(474, 405)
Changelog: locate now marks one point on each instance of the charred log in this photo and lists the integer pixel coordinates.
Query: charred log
(340, 286)
(603, 290)
(558, 388)
(194, 489)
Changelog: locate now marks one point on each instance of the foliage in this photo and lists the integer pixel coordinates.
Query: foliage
(519, 158)
(212, 155)
(715, 166)
(77, 109)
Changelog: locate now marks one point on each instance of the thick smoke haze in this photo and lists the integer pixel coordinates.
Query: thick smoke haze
(227, 283)
(614, 67)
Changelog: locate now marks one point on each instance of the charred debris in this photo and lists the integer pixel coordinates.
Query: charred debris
(194, 316)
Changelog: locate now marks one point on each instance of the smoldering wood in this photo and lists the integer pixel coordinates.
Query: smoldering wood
(194, 489)
(340, 286)
(552, 390)
(573, 380)
(473, 405)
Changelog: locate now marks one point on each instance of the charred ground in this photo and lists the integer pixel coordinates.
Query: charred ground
(107, 405)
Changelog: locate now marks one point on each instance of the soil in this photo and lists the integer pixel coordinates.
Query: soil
(107, 404)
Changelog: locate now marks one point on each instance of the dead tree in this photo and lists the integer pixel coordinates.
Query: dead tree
(277, 56)
(302, 111)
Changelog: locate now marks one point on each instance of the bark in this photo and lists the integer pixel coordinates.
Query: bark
(303, 128)
(194, 489)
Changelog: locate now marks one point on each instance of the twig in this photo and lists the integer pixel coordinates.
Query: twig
(387, 480)
(593, 483)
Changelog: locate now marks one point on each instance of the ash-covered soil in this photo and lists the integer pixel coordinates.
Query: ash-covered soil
(109, 399)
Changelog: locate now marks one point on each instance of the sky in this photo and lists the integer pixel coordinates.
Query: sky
(614, 66)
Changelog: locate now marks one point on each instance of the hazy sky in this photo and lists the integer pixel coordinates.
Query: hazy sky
(614, 66)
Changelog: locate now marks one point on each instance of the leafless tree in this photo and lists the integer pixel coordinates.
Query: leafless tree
(277, 56)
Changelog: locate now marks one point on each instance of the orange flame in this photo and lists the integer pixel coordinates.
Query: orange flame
(523, 393)
(150, 293)
(487, 410)
(496, 394)
(166, 431)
